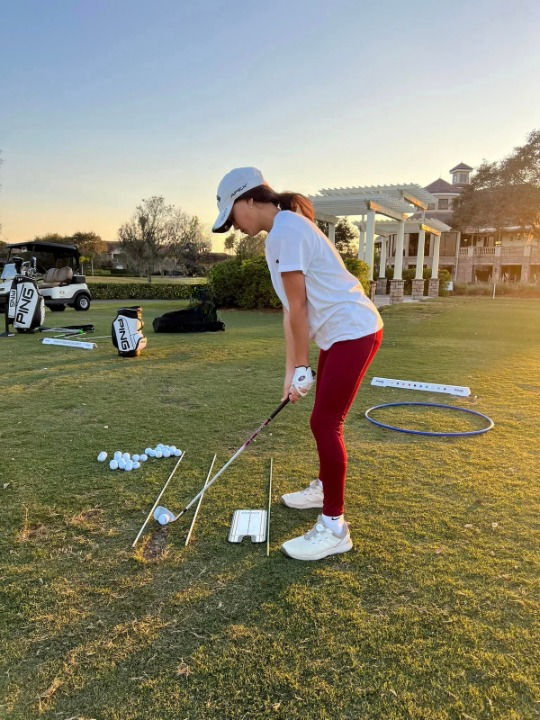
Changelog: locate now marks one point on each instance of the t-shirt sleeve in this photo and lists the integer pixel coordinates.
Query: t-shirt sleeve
(295, 250)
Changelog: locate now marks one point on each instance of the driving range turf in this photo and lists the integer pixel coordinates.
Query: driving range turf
(433, 615)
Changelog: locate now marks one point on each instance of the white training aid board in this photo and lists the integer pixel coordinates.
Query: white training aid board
(426, 387)
(248, 523)
(70, 343)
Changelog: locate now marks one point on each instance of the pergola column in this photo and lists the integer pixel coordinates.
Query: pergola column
(370, 241)
(433, 288)
(362, 240)
(332, 233)
(381, 282)
(396, 285)
(418, 282)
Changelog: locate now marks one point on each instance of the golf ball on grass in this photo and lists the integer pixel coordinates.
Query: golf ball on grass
(136, 465)
(113, 464)
(144, 457)
(135, 458)
(102, 456)
(128, 466)
(117, 455)
(158, 454)
(164, 519)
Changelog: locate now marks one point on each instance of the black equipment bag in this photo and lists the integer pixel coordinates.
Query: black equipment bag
(199, 317)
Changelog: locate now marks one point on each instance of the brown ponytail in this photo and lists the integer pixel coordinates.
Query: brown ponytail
(285, 200)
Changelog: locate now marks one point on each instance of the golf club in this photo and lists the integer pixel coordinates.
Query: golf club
(217, 475)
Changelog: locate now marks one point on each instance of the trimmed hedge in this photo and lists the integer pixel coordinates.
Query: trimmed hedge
(506, 289)
(243, 284)
(246, 283)
(146, 291)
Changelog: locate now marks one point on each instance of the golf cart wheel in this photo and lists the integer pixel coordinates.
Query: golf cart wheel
(56, 308)
(82, 303)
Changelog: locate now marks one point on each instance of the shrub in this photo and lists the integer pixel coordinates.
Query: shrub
(225, 282)
(257, 291)
(359, 269)
(243, 283)
(506, 289)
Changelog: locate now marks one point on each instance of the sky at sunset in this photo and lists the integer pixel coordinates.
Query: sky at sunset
(106, 102)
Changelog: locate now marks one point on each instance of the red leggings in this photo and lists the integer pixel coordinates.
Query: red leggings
(339, 374)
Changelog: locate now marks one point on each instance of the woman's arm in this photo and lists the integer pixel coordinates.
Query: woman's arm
(294, 285)
(296, 327)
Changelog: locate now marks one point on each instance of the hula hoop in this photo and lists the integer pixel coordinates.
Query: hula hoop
(490, 422)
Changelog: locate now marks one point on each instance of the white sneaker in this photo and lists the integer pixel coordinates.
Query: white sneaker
(318, 543)
(311, 497)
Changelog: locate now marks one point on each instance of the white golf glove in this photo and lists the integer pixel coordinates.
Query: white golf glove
(303, 380)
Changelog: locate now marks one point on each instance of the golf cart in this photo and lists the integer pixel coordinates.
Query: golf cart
(55, 268)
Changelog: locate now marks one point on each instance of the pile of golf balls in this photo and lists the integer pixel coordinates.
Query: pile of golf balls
(125, 461)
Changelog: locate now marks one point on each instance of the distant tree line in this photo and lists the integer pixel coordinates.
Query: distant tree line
(504, 193)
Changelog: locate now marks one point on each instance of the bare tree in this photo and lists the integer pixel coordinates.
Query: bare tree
(153, 226)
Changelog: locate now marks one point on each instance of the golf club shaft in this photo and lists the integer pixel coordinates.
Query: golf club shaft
(200, 500)
(158, 499)
(236, 454)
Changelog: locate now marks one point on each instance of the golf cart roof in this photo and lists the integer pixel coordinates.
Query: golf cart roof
(57, 249)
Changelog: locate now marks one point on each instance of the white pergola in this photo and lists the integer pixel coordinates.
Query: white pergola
(396, 202)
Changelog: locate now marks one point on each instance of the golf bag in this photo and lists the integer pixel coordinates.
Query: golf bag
(201, 316)
(126, 332)
(26, 308)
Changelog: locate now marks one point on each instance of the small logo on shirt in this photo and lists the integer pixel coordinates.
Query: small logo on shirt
(277, 262)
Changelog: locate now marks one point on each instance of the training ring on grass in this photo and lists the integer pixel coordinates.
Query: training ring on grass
(432, 434)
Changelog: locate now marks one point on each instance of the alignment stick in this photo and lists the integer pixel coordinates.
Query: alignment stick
(200, 499)
(158, 499)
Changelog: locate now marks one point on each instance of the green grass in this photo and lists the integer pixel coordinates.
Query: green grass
(434, 614)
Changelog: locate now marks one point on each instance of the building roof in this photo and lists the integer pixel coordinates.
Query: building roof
(441, 186)
(461, 166)
(444, 216)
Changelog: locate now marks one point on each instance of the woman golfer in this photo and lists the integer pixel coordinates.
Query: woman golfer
(322, 301)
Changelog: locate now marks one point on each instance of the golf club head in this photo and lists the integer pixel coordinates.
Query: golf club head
(163, 516)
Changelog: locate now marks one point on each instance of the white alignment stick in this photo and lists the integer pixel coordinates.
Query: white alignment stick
(200, 499)
(158, 499)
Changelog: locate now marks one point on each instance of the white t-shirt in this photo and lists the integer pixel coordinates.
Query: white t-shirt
(338, 308)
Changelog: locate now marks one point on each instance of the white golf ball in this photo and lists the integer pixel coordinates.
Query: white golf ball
(177, 452)
(128, 466)
(117, 455)
(172, 448)
(102, 456)
(144, 457)
(159, 446)
(126, 456)
(164, 518)
(136, 465)
(166, 452)
(151, 453)
(135, 458)
(159, 454)
(113, 465)
(122, 464)
(147, 451)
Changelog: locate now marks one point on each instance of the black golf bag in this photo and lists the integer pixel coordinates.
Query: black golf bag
(126, 332)
(201, 316)
(26, 307)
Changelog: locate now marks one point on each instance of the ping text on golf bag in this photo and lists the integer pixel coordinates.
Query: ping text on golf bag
(26, 309)
(126, 332)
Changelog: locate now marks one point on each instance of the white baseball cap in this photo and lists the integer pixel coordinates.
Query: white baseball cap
(234, 185)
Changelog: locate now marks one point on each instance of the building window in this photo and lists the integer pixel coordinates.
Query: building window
(443, 204)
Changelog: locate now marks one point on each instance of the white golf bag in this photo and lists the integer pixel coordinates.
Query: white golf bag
(26, 307)
(126, 332)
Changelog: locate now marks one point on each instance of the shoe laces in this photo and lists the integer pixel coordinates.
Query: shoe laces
(312, 487)
(318, 533)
